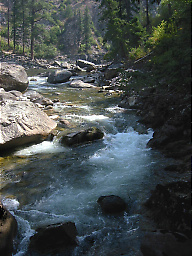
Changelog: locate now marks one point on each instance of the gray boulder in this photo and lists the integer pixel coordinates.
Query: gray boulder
(35, 97)
(54, 238)
(86, 64)
(81, 137)
(11, 95)
(59, 76)
(22, 122)
(13, 77)
(80, 84)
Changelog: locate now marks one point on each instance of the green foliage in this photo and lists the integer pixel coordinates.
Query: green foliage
(137, 52)
(68, 13)
(45, 51)
(4, 44)
(122, 29)
(87, 29)
(170, 43)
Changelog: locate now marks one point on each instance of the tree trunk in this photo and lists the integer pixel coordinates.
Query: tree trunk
(32, 29)
(23, 28)
(14, 27)
(147, 13)
(8, 24)
(128, 9)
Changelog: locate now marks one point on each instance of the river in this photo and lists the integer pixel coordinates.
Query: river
(48, 183)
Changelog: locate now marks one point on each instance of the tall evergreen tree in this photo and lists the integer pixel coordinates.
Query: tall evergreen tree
(87, 28)
(8, 23)
(118, 15)
(37, 11)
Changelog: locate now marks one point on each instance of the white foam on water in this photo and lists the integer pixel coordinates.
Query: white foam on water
(10, 204)
(46, 147)
(124, 160)
(37, 80)
(92, 118)
(26, 232)
(115, 109)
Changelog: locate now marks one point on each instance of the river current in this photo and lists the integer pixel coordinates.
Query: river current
(48, 183)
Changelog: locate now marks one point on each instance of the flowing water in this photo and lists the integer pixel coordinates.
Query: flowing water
(48, 183)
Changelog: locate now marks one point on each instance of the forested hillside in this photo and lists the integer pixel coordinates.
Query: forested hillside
(47, 28)
(156, 30)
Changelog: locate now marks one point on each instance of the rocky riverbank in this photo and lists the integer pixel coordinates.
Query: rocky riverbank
(168, 111)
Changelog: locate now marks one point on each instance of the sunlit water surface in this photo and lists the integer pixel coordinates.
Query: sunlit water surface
(48, 183)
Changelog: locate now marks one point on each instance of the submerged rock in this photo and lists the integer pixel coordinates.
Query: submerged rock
(13, 77)
(8, 229)
(54, 238)
(59, 76)
(91, 134)
(112, 204)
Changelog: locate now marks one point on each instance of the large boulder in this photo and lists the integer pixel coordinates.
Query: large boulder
(59, 76)
(112, 204)
(86, 64)
(13, 77)
(21, 121)
(8, 229)
(54, 238)
(73, 139)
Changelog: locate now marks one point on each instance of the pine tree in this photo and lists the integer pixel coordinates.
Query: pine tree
(87, 28)
(37, 10)
(8, 23)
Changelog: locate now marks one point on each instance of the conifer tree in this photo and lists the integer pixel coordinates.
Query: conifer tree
(8, 23)
(87, 28)
(37, 10)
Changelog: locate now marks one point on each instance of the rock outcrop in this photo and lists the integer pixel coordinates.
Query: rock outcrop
(54, 238)
(13, 77)
(59, 76)
(21, 121)
(89, 135)
(8, 229)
